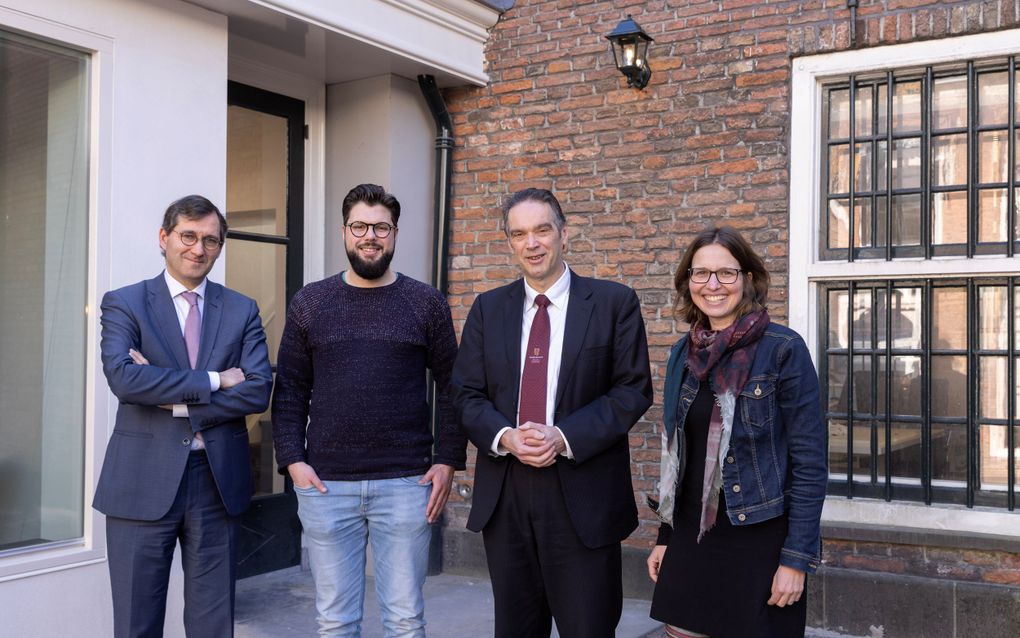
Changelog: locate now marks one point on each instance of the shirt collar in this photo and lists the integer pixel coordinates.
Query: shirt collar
(177, 287)
(557, 293)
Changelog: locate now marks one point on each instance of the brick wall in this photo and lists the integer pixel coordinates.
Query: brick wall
(639, 171)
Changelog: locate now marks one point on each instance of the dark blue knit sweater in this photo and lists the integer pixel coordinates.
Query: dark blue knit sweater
(352, 366)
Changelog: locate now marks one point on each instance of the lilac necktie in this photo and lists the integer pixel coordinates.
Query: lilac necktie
(192, 327)
(535, 378)
(192, 335)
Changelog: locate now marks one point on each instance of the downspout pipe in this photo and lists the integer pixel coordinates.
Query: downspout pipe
(444, 179)
(440, 250)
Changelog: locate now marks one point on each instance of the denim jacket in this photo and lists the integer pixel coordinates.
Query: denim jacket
(776, 460)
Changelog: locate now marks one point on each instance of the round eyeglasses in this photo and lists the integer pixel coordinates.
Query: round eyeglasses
(189, 238)
(723, 275)
(380, 229)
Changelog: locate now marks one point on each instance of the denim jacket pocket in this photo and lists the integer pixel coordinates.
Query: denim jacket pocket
(758, 401)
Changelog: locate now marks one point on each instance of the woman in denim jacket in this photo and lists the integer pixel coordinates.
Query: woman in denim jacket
(743, 468)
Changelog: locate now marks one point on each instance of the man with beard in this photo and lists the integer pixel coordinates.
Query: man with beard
(351, 423)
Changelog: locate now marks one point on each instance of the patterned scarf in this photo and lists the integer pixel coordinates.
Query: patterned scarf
(727, 355)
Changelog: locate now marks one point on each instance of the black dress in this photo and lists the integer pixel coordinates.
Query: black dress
(719, 586)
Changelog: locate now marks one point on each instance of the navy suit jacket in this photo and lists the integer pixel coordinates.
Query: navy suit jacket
(149, 448)
(604, 387)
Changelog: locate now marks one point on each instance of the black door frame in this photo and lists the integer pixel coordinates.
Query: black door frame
(270, 536)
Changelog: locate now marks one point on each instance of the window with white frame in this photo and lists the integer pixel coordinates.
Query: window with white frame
(44, 150)
(911, 271)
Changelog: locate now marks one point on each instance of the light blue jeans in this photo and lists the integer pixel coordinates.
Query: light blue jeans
(390, 513)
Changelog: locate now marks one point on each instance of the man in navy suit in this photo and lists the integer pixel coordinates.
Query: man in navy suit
(187, 359)
(551, 375)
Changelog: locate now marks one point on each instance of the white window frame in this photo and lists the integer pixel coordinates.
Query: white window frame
(91, 547)
(807, 271)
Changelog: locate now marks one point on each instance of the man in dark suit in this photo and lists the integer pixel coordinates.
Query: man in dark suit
(551, 375)
(187, 359)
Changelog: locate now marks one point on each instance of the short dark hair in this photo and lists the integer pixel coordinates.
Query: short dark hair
(534, 195)
(755, 295)
(373, 195)
(192, 207)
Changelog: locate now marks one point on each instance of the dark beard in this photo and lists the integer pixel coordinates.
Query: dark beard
(370, 270)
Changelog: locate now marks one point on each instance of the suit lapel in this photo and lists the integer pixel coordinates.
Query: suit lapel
(210, 323)
(513, 314)
(161, 308)
(579, 309)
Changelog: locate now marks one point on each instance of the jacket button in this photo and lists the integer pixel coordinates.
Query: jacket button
(186, 441)
(741, 517)
(729, 459)
(736, 488)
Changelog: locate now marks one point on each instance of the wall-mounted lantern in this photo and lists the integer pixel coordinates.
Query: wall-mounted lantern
(630, 51)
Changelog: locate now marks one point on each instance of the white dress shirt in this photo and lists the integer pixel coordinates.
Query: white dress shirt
(558, 295)
(182, 307)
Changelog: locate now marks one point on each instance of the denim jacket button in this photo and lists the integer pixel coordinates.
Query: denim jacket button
(736, 488)
(729, 459)
(741, 517)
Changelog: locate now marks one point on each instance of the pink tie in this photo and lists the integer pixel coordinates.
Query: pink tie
(192, 334)
(535, 379)
(192, 327)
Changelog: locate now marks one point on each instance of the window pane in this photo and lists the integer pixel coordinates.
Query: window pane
(862, 111)
(906, 386)
(862, 385)
(949, 319)
(839, 169)
(862, 318)
(862, 452)
(949, 218)
(880, 213)
(837, 318)
(43, 264)
(907, 106)
(949, 102)
(883, 91)
(256, 172)
(992, 387)
(993, 158)
(906, 453)
(993, 311)
(905, 318)
(993, 98)
(992, 206)
(906, 164)
(949, 160)
(906, 220)
(839, 222)
(839, 114)
(1016, 145)
(994, 457)
(949, 386)
(949, 455)
(837, 447)
(837, 383)
(862, 168)
(862, 223)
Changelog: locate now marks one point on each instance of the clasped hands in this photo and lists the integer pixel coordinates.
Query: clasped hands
(534, 444)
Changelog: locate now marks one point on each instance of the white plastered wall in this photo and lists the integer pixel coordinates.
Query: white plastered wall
(379, 130)
(157, 132)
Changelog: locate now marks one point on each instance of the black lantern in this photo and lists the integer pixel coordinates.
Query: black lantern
(630, 51)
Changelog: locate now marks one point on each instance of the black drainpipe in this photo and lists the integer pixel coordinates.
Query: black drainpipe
(441, 246)
(444, 168)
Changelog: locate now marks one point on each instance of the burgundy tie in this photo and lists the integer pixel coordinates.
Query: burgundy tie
(192, 327)
(534, 380)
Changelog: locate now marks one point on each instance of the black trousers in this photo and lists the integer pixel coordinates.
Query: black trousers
(541, 571)
(141, 552)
